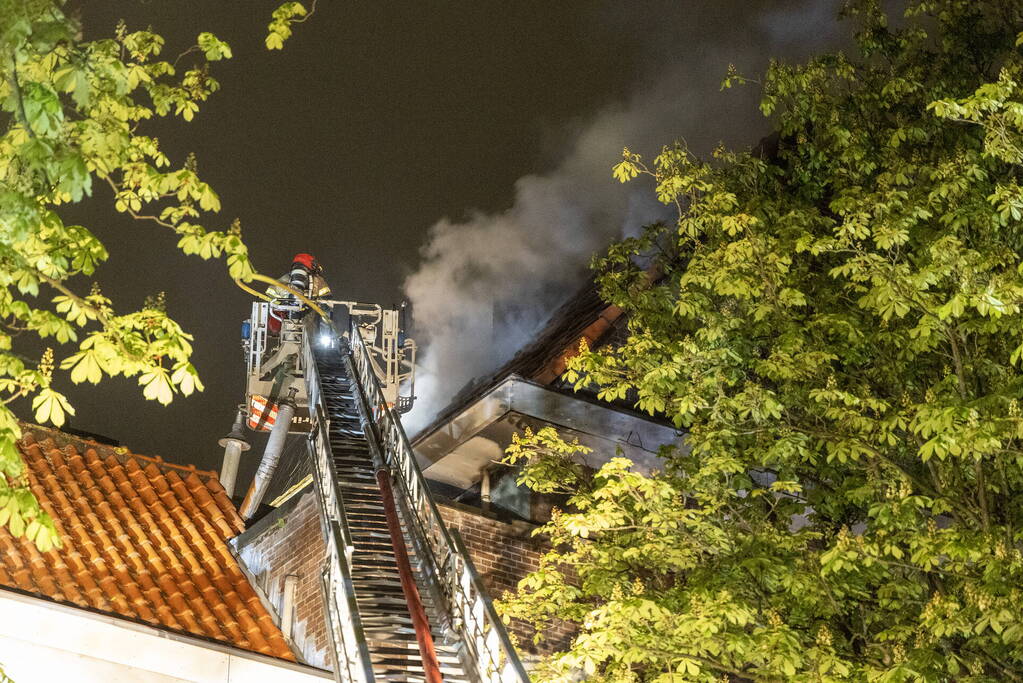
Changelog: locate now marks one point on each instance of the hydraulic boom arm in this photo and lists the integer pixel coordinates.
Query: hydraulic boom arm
(403, 600)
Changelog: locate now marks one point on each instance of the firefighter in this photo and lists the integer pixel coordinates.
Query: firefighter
(306, 276)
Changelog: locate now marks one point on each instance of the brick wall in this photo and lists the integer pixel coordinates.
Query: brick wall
(504, 552)
(289, 541)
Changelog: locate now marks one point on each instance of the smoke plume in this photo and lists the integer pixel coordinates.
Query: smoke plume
(485, 285)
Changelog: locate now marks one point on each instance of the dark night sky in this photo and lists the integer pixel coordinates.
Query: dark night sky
(377, 120)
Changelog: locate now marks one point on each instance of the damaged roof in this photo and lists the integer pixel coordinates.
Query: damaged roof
(143, 540)
(584, 316)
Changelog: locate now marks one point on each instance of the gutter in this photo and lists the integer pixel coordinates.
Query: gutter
(516, 394)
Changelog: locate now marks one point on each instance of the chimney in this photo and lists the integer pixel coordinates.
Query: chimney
(485, 490)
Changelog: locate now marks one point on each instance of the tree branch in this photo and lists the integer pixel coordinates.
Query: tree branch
(59, 286)
(21, 100)
(311, 12)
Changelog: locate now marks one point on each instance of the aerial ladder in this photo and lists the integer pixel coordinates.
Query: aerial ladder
(403, 599)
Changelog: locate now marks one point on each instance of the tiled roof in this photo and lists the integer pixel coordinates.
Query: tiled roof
(143, 539)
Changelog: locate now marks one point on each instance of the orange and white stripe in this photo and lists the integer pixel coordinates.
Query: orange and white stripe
(257, 404)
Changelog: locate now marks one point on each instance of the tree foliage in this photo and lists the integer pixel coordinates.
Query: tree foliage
(75, 115)
(279, 29)
(836, 324)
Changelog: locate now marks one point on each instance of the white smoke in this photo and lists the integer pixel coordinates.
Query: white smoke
(486, 284)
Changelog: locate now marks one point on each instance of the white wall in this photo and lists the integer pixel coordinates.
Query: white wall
(42, 642)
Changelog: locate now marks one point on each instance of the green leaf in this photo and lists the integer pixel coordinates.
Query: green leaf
(157, 386)
(186, 379)
(51, 406)
(274, 41)
(85, 366)
(625, 171)
(214, 48)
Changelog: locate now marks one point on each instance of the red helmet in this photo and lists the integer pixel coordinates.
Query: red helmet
(306, 260)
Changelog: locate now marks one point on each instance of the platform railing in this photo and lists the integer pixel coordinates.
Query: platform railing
(352, 662)
(488, 649)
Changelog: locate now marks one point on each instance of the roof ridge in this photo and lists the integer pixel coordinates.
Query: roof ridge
(63, 439)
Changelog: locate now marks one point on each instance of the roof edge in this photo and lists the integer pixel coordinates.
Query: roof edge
(133, 624)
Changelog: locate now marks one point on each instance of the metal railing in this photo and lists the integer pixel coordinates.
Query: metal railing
(351, 655)
(488, 650)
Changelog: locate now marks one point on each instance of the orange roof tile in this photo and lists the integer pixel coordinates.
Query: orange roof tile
(143, 539)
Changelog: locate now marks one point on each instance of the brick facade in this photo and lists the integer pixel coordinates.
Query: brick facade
(290, 541)
(504, 553)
